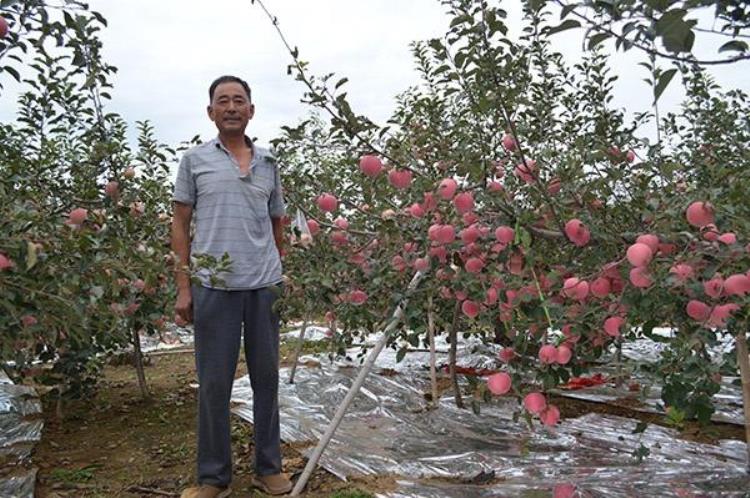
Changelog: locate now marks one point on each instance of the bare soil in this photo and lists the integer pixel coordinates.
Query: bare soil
(118, 445)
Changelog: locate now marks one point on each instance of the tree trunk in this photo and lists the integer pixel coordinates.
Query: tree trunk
(744, 363)
(298, 349)
(452, 356)
(433, 370)
(59, 407)
(140, 372)
(619, 372)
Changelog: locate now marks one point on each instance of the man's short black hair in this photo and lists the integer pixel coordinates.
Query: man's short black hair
(229, 79)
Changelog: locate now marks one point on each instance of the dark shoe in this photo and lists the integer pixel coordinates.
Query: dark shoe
(275, 484)
(206, 491)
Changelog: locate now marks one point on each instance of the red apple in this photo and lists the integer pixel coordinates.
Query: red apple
(447, 188)
(499, 383)
(577, 232)
(548, 354)
(639, 254)
(464, 202)
(370, 165)
(77, 216)
(700, 214)
(535, 402)
(698, 310)
(327, 202)
(4, 27)
(400, 179)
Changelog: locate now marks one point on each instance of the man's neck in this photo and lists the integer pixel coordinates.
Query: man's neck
(233, 141)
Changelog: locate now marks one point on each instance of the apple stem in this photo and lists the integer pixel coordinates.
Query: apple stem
(398, 314)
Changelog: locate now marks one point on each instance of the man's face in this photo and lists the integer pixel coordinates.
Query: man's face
(230, 108)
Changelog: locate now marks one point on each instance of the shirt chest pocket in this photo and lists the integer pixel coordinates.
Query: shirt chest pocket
(257, 195)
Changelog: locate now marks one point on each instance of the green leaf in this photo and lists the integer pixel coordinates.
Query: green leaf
(664, 80)
(640, 427)
(675, 32)
(525, 238)
(568, 24)
(597, 39)
(465, 18)
(734, 45)
(460, 59)
(69, 21)
(641, 453)
(476, 407)
(660, 5)
(400, 354)
(78, 59)
(567, 10)
(12, 72)
(341, 82)
(537, 5)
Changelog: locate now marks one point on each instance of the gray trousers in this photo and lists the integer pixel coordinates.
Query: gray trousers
(218, 318)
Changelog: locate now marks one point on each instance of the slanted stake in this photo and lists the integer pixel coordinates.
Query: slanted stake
(344, 406)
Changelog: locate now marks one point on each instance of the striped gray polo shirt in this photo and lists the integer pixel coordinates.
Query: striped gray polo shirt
(233, 213)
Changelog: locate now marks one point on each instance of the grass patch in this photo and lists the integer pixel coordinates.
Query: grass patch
(79, 476)
(351, 493)
(308, 347)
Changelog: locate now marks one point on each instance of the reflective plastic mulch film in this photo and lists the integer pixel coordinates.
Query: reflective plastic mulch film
(441, 452)
(20, 429)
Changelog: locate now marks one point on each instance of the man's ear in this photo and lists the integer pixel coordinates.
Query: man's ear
(252, 110)
(210, 112)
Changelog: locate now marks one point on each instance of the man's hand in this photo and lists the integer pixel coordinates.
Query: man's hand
(183, 307)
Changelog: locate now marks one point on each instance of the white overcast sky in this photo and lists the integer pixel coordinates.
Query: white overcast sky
(168, 51)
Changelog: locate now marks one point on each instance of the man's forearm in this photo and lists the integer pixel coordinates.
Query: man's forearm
(278, 233)
(181, 248)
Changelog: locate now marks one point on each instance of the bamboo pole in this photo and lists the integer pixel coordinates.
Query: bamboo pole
(433, 369)
(298, 349)
(744, 363)
(344, 406)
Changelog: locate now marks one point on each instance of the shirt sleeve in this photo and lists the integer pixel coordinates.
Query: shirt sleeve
(184, 185)
(276, 207)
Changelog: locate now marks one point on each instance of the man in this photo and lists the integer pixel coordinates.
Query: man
(232, 188)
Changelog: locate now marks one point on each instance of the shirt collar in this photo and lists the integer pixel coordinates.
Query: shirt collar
(219, 145)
